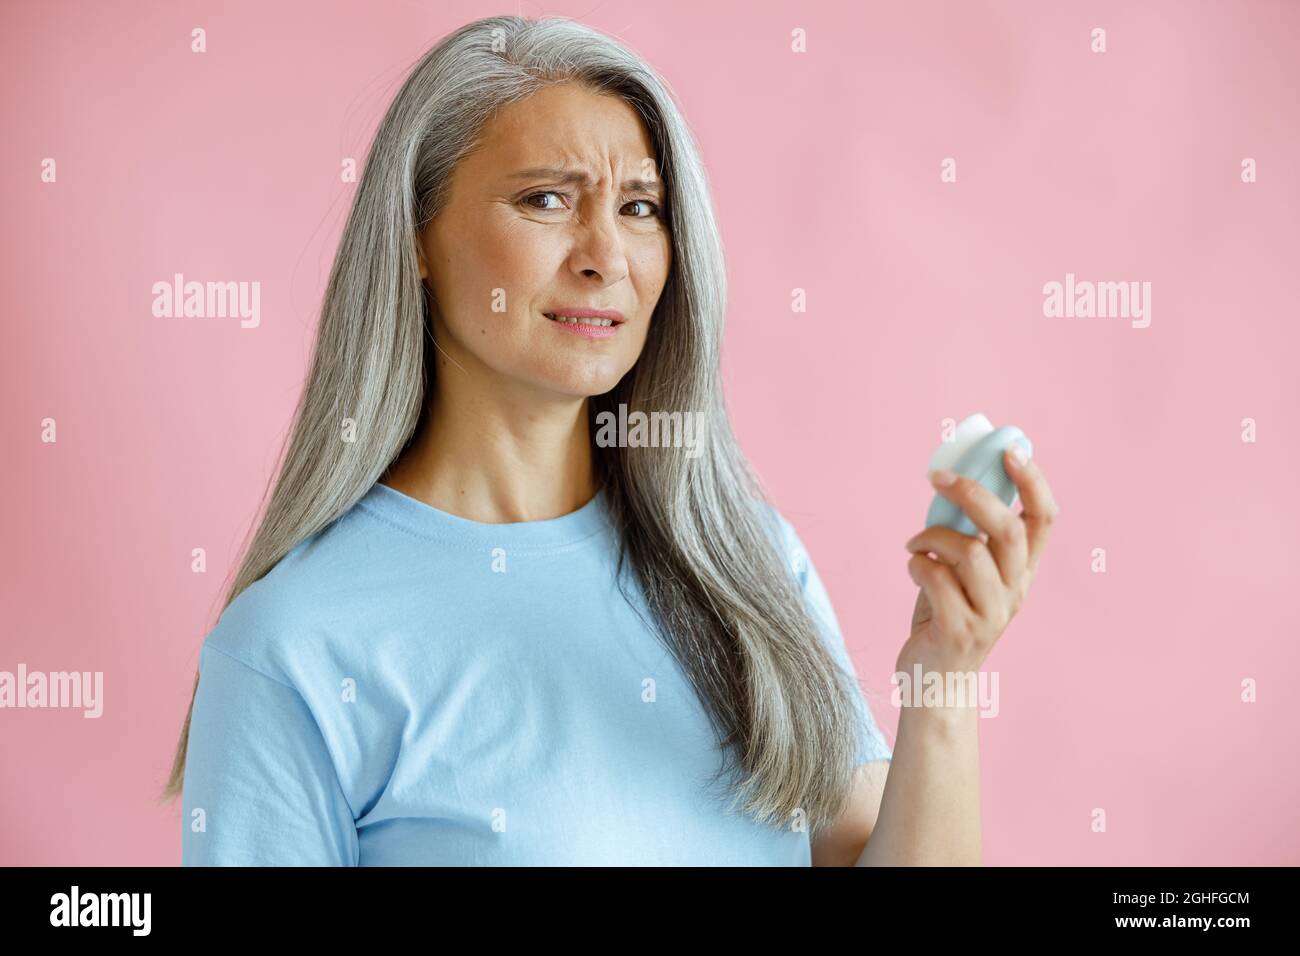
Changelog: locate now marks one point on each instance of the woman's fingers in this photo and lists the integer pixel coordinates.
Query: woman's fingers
(941, 586)
(1038, 507)
(972, 563)
(975, 580)
(1008, 539)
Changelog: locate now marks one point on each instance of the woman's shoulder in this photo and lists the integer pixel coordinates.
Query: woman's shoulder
(267, 624)
(276, 623)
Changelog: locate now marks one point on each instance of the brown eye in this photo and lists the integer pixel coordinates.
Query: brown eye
(549, 192)
(643, 202)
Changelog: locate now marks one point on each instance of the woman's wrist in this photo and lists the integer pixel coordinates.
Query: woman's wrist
(942, 721)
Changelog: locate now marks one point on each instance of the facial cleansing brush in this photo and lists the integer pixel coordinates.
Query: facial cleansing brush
(975, 452)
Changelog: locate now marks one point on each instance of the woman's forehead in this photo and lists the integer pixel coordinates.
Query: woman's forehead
(573, 129)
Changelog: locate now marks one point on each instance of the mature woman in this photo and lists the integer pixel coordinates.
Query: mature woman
(473, 627)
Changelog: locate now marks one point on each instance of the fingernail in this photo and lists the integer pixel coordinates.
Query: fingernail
(1019, 454)
(943, 477)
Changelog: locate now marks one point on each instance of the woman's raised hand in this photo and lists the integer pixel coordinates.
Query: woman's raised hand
(976, 584)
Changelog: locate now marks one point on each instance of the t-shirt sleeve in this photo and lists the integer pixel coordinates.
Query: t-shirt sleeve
(260, 786)
(871, 741)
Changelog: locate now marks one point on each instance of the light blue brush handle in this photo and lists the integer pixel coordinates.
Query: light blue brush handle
(983, 463)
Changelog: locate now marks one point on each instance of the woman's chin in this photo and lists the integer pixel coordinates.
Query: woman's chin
(583, 378)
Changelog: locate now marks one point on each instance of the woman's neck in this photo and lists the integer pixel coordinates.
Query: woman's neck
(499, 456)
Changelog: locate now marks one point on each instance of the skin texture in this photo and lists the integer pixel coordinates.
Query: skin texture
(842, 843)
(508, 434)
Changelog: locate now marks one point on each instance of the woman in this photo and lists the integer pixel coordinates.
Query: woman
(474, 628)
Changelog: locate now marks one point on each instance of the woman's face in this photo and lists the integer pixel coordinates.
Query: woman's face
(514, 244)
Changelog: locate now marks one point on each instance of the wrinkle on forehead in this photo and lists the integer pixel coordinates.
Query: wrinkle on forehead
(609, 142)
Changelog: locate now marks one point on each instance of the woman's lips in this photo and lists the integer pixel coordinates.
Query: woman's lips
(582, 328)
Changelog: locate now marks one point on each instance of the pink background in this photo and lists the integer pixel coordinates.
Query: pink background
(1119, 691)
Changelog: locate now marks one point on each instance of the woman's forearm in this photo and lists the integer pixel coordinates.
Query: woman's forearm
(930, 808)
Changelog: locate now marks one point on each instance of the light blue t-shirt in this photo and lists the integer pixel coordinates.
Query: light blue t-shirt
(410, 687)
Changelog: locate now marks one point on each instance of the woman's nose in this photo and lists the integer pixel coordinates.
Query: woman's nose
(599, 246)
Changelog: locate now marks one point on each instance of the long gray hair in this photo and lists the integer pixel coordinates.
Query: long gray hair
(724, 599)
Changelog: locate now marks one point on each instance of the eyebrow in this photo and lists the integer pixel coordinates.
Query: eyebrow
(560, 174)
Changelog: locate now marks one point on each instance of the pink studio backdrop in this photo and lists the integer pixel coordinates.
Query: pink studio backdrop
(1119, 691)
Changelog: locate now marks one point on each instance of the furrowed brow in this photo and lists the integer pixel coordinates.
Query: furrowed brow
(558, 174)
